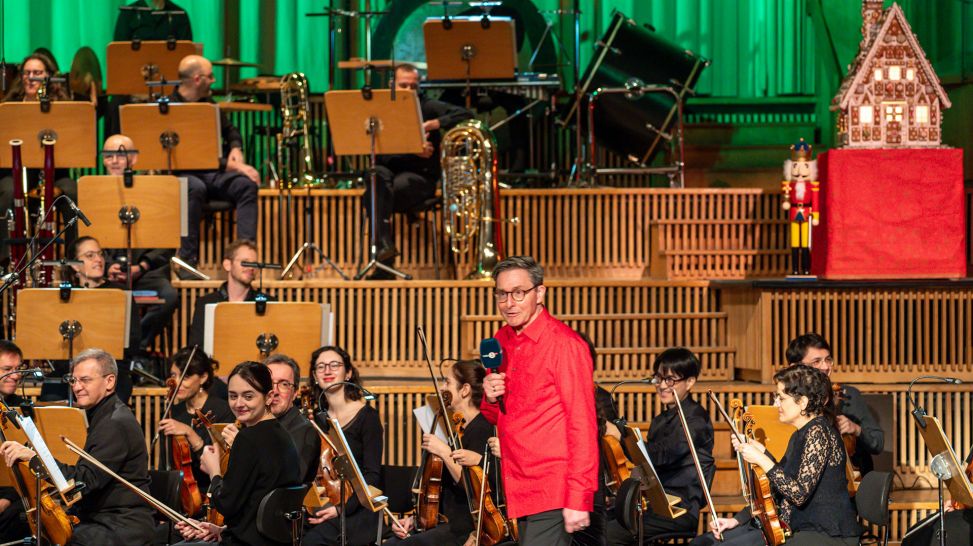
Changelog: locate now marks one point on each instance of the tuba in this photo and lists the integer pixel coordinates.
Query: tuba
(294, 161)
(471, 203)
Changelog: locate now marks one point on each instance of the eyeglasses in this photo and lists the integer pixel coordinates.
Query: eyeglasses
(333, 366)
(668, 380)
(817, 361)
(284, 385)
(91, 255)
(518, 294)
(85, 381)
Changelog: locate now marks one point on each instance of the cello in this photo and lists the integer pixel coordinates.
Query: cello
(756, 489)
(42, 504)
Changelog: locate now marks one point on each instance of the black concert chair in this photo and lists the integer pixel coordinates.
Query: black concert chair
(212, 207)
(280, 515)
(676, 537)
(397, 486)
(872, 501)
(164, 485)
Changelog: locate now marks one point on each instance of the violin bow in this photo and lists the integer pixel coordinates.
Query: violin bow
(172, 399)
(699, 469)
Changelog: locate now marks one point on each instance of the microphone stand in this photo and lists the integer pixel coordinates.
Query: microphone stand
(11, 278)
(918, 412)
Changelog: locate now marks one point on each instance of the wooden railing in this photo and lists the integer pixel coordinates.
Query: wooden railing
(718, 249)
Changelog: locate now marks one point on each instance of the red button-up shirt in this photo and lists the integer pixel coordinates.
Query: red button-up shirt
(548, 434)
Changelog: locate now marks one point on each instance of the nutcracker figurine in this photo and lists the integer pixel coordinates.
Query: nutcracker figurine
(801, 198)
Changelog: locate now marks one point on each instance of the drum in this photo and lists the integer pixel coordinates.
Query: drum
(626, 51)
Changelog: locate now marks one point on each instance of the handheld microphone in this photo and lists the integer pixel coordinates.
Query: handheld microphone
(491, 355)
(77, 211)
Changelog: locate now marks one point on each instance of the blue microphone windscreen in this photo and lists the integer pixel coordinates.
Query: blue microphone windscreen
(490, 353)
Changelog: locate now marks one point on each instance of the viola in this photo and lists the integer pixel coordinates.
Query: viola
(327, 480)
(206, 421)
(491, 524)
(618, 467)
(852, 472)
(429, 489)
(182, 460)
(757, 489)
(57, 525)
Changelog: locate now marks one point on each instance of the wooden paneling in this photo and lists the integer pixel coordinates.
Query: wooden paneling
(719, 249)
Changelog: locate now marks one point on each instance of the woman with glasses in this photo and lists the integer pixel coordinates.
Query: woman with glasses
(809, 482)
(193, 394)
(251, 473)
(362, 428)
(676, 372)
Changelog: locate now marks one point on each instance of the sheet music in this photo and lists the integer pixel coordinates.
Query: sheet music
(40, 447)
(641, 444)
(208, 325)
(426, 417)
(183, 206)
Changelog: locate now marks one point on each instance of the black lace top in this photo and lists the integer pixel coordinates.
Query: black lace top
(810, 485)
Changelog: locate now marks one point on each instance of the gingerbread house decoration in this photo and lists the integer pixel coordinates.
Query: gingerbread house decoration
(891, 97)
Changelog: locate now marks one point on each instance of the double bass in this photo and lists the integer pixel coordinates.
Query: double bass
(756, 485)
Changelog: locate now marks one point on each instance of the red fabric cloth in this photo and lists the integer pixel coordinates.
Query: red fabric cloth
(891, 214)
(548, 434)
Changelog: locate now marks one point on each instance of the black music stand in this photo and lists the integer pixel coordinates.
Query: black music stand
(378, 122)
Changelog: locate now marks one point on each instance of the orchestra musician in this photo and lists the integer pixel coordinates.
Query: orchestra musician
(150, 266)
(363, 431)
(236, 288)
(195, 393)
(854, 417)
(287, 377)
(464, 383)
(809, 482)
(143, 25)
(234, 181)
(676, 371)
(406, 181)
(250, 474)
(12, 523)
(109, 513)
(546, 421)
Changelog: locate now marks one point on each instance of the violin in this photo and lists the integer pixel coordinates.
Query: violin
(182, 460)
(852, 472)
(57, 525)
(430, 475)
(327, 480)
(490, 522)
(757, 491)
(618, 467)
(206, 421)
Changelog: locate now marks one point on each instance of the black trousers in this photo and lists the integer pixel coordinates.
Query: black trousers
(748, 535)
(223, 186)
(13, 526)
(544, 529)
(396, 192)
(652, 526)
(440, 535)
(959, 530)
(94, 534)
(156, 317)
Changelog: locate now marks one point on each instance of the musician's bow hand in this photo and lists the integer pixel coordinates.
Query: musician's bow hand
(13, 452)
(847, 426)
(753, 452)
(494, 444)
(402, 529)
(323, 515)
(721, 525)
(172, 427)
(465, 457)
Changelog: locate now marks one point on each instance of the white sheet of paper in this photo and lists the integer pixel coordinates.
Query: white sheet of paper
(40, 447)
(426, 418)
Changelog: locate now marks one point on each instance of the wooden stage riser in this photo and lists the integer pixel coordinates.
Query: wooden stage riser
(599, 232)
(376, 322)
(878, 335)
(639, 404)
(719, 249)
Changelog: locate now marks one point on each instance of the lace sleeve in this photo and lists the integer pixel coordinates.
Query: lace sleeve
(814, 459)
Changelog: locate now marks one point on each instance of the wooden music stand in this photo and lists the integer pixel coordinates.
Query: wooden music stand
(233, 330)
(154, 60)
(369, 496)
(185, 138)
(53, 421)
(72, 124)
(661, 503)
(376, 125)
(159, 223)
(103, 314)
(467, 51)
(937, 444)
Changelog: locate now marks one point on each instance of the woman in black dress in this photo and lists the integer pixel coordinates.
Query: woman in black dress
(464, 383)
(250, 474)
(809, 482)
(365, 436)
(194, 394)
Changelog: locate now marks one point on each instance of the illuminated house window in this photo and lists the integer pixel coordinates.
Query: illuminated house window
(910, 74)
(922, 114)
(865, 115)
(895, 73)
(878, 74)
(893, 113)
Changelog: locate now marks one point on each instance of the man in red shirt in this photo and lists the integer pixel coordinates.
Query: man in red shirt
(548, 429)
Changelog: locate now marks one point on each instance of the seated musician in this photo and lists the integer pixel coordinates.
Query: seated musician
(150, 266)
(234, 181)
(676, 373)
(34, 66)
(143, 25)
(236, 288)
(957, 520)
(464, 383)
(406, 181)
(109, 513)
(362, 428)
(854, 417)
(12, 524)
(809, 482)
(194, 394)
(250, 473)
